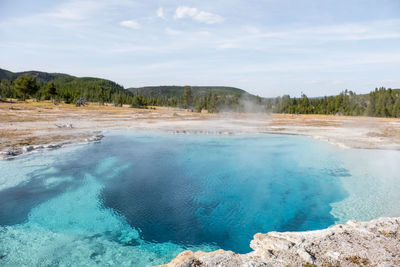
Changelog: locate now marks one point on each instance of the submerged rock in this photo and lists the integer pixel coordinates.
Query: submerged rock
(373, 243)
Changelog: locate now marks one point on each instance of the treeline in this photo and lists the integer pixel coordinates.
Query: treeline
(211, 101)
(196, 98)
(381, 102)
(69, 90)
(81, 90)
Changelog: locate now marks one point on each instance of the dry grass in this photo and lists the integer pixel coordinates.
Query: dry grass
(358, 261)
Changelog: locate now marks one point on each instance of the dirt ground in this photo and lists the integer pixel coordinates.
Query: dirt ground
(39, 123)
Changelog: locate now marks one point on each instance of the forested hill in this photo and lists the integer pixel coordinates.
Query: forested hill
(211, 98)
(65, 80)
(41, 77)
(197, 91)
(64, 87)
(69, 88)
(380, 102)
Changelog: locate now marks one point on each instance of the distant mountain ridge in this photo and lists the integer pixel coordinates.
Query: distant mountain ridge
(197, 91)
(380, 102)
(40, 76)
(164, 91)
(71, 88)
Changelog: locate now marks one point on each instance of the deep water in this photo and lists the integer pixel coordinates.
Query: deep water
(141, 198)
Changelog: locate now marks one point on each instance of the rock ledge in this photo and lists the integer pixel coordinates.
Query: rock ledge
(373, 243)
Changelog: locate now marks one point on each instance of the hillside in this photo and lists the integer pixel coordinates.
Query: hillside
(380, 102)
(197, 91)
(72, 89)
(59, 78)
(41, 77)
(165, 91)
(69, 87)
(64, 81)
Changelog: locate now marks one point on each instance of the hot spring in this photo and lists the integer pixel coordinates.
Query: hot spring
(141, 198)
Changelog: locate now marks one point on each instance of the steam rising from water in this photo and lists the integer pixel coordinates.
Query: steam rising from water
(140, 199)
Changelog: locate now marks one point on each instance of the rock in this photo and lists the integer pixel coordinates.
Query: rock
(81, 102)
(97, 138)
(28, 148)
(13, 151)
(216, 258)
(373, 243)
(305, 256)
(66, 125)
(53, 146)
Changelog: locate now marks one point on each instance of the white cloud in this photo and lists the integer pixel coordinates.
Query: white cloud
(75, 10)
(83, 9)
(130, 24)
(253, 38)
(383, 29)
(345, 63)
(71, 14)
(170, 31)
(198, 15)
(227, 45)
(252, 29)
(160, 13)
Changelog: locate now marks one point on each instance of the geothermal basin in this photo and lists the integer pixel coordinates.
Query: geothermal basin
(139, 198)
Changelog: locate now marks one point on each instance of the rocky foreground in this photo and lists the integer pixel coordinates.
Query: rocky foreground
(374, 243)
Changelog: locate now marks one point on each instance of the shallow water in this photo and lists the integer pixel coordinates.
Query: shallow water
(141, 198)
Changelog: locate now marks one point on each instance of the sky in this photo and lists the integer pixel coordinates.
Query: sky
(267, 47)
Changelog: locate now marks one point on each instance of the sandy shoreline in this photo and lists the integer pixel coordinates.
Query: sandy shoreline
(28, 126)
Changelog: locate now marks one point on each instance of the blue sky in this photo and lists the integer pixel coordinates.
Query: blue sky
(269, 48)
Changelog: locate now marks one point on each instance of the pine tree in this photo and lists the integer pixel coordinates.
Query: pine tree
(26, 86)
(51, 90)
(396, 108)
(212, 103)
(187, 97)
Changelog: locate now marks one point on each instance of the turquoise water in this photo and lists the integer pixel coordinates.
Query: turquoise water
(139, 199)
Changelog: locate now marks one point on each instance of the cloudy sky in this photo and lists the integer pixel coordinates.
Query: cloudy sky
(267, 47)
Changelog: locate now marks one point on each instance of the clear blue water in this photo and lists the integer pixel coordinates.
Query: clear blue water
(138, 199)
